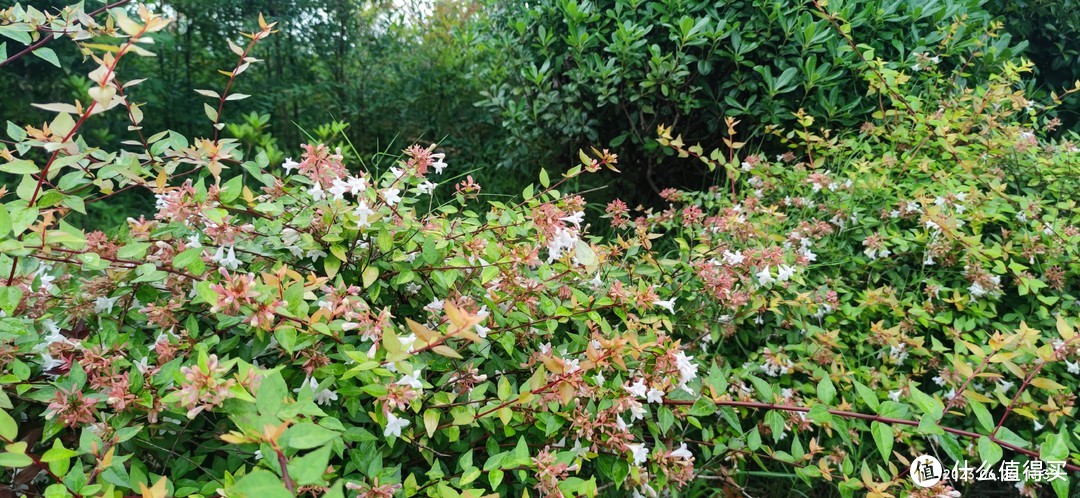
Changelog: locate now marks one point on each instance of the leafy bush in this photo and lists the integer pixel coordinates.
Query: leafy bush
(931, 257)
(1052, 29)
(322, 328)
(398, 75)
(575, 73)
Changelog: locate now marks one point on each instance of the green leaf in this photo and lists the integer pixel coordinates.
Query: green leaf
(819, 413)
(431, 421)
(205, 292)
(892, 409)
(989, 451)
(338, 251)
(210, 112)
(729, 416)
(504, 389)
(5, 221)
(883, 436)
(18, 32)
(48, 55)
(127, 433)
(982, 415)
(286, 337)
(187, 258)
(57, 491)
(685, 25)
(1007, 435)
(665, 418)
(49, 199)
(231, 190)
(753, 440)
(9, 299)
(545, 181)
(521, 451)
(331, 264)
(826, 392)
(9, 429)
(703, 407)
(496, 461)
(867, 395)
(431, 252)
(370, 275)
(775, 421)
(134, 250)
(259, 484)
(272, 394)
(15, 132)
(620, 470)
(92, 262)
(14, 460)
(216, 215)
(1055, 447)
(337, 491)
(616, 469)
(928, 404)
(57, 452)
(20, 167)
(385, 241)
(307, 436)
(763, 388)
(495, 477)
(469, 476)
(1061, 487)
(929, 425)
(58, 458)
(75, 202)
(309, 468)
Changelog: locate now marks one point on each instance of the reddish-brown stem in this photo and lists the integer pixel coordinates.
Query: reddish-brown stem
(98, 468)
(873, 418)
(1027, 381)
(82, 119)
(284, 463)
(136, 185)
(442, 340)
(513, 400)
(985, 361)
(509, 402)
(46, 39)
(131, 117)
(561, 378)
(131, 263)
(228, 85)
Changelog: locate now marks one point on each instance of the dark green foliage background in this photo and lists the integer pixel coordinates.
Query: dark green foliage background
(507, 87)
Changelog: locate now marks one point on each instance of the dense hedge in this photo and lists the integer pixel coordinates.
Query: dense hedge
(573, 73)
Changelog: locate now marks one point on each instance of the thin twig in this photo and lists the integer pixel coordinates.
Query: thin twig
(47, 38)
(873, 418)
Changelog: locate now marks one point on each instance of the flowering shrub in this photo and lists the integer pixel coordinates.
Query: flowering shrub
(926, 266)
(327, 328)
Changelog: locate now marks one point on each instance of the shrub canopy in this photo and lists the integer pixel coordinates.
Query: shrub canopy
(332, 326)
